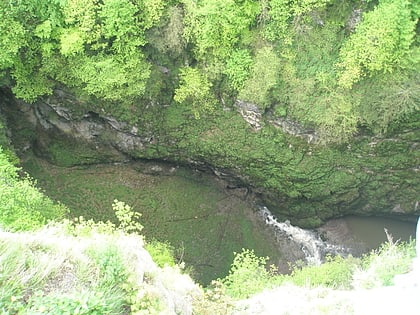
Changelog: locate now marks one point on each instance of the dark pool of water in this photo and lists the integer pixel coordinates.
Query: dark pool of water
(370, 230)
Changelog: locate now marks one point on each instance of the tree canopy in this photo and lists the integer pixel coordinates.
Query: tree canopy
(309, 60)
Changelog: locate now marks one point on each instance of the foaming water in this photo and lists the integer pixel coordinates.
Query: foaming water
(310, 243)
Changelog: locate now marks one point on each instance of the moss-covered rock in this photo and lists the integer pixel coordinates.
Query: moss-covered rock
(306, 183)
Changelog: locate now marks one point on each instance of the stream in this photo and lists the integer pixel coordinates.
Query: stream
(353, 235)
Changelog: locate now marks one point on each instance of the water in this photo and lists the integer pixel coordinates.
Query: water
(310, 243)
(351, 235)
(370, 230)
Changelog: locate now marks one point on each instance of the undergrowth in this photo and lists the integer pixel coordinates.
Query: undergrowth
(249, 274)
(22, 205)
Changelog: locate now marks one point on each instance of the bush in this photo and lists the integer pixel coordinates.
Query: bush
(335, 273)
(381, 266)
(162, 253)
(247, 275)
(22, 205)
(127, 217)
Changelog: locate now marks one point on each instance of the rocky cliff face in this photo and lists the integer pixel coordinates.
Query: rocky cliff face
(297, 178)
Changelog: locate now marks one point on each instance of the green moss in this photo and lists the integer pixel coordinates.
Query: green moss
(304, 183)
(64, 150)
(189, 210)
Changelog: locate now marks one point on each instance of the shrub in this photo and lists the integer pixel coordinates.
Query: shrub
(22, 205)
(247, 275)
(127, 217)
(381, 266)
(49, 273)
(162, 253)
(109, 265)
(336, 272)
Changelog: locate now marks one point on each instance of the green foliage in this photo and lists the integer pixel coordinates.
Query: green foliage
(127, 217)
(10, 45)
(195, 90)
(278, 13)
(336, 272)
(109, 265)
(5, 146)
(151, 12)
(262, 79)
(238, 68)
(247, 275)
(162, 253)
(296, 58)
(168, 37)
(381, 43)
(216, 26)
(118, 20)
(83, 303)
(85, 228)
(379, 107)
(214, 301)
(22, 206)
(71, 42)
(337, 118)
(49, 274)
(381, 266)
(95, 48)
(30, 80)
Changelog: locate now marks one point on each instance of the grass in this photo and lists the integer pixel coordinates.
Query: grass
(82, 268)
(43, 275)
(187, 209)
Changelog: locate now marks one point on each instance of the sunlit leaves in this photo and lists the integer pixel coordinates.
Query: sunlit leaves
(263, 77)
(22, 206)
(44, 29)
(151, 11)
(109, 78)
(71, 42)
(82, 14)
(238, 68)
(380, 43)
(118, 18)
(218, 25)
(94, 46)
(30, 83)
(12, 38)
(195, 90)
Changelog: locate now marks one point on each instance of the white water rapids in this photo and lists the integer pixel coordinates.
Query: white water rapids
(311, 244)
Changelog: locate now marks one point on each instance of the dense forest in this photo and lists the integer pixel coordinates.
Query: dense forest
(341, 75)
(337, 66)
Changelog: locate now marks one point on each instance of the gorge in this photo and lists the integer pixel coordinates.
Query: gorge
(308, 108)
(304, 183)
(223, 221)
